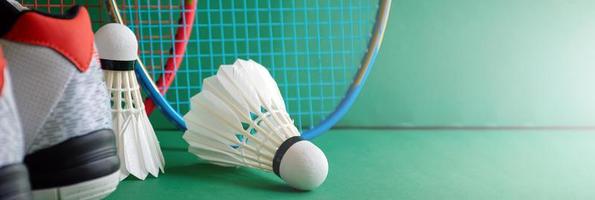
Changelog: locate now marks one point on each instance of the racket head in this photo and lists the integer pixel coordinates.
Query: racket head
(319, 52)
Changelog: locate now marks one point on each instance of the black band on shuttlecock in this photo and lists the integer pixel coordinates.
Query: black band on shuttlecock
(117, 65)
(281, 152)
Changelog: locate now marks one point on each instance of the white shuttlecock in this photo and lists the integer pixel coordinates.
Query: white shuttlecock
(138, 147)
(239, 119)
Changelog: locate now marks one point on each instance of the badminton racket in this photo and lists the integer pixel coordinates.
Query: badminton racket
(319, 51)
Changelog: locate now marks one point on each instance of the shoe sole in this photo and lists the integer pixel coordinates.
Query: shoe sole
(89, 190)
(83, 167)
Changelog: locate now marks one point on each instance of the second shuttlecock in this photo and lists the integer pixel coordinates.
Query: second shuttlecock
(239, 119)
(138, 148)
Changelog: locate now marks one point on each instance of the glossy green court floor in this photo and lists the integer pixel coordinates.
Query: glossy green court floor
(406, 164)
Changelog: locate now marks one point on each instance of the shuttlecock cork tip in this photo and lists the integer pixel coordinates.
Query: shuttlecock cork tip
(301, 164)
(117, 47)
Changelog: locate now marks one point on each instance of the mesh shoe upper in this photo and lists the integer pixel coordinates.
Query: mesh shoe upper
(11, 136)
(58, 88)
(84, 108)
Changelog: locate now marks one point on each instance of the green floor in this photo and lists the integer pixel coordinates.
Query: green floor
(368, 164)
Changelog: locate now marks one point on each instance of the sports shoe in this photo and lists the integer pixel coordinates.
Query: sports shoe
(63, 103)
(14, 179)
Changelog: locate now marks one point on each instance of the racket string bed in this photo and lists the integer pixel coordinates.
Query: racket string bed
(312, 48)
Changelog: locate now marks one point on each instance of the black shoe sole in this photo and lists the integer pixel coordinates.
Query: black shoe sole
(73, 161)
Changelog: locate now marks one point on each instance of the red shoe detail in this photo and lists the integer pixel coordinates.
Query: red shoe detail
(73, 38)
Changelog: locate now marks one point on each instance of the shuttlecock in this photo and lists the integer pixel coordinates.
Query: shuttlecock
(138, 148)
(239, 119)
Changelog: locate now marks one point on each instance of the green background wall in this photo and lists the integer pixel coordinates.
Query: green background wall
(481, 63)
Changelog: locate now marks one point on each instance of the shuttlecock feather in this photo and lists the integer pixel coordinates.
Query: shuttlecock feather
(138, 147)
(239, 119)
